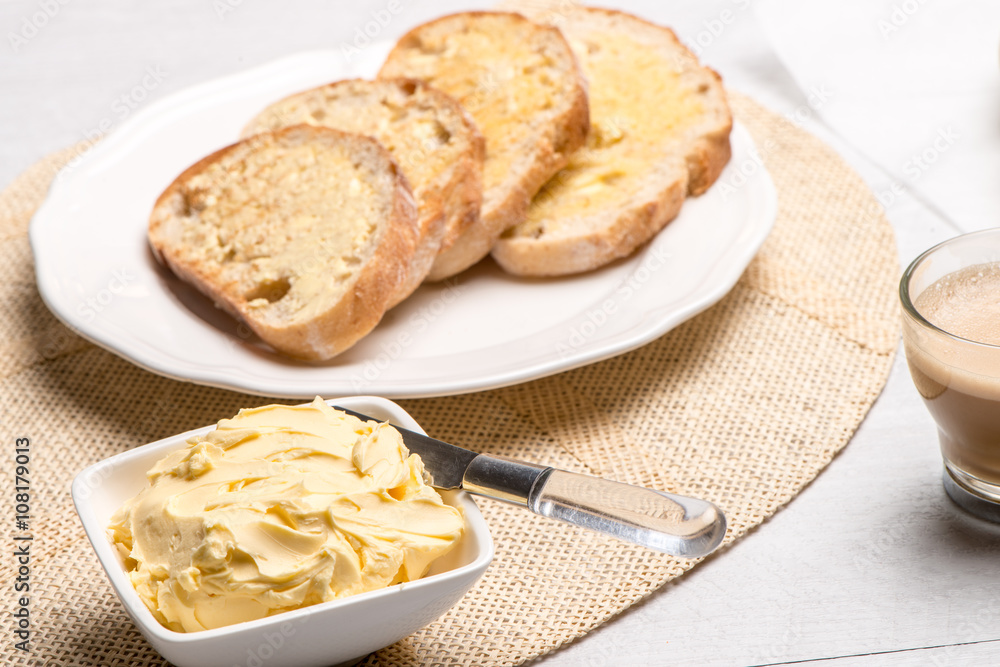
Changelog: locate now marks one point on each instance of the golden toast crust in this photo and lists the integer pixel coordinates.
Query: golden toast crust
(347, 306)
(437, 50)
(428, 133)
(563, 237)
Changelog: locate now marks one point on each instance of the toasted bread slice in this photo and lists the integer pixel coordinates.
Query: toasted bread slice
(522, 86)
(305, 234)
(660, 130)
(428, 133)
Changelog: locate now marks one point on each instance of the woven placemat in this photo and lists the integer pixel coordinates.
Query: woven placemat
(743, 405)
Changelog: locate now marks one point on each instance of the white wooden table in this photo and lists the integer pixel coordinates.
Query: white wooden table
(870, 565)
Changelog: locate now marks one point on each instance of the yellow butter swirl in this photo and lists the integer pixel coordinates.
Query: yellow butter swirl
(278, 508)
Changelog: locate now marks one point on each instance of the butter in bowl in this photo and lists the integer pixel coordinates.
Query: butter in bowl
(246, 541)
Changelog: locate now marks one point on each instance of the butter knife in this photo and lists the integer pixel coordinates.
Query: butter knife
(674, 524)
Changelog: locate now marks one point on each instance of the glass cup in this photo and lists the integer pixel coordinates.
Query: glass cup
(958, 378)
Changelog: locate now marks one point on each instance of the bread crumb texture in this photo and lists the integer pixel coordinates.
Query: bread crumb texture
(282, 226)
(303, 233)
(409, 120)
(508, 85)
(639, 101)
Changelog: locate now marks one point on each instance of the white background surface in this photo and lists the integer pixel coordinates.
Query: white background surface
(871, 564)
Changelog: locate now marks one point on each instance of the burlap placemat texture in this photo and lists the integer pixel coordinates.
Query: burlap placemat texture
(742, 405)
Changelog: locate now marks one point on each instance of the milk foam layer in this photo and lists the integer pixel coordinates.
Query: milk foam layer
(965, 303)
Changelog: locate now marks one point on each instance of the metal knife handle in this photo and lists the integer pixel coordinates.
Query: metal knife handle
(502, 478)
(677, 525)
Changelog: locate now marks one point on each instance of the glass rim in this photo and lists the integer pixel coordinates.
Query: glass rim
(904, 288)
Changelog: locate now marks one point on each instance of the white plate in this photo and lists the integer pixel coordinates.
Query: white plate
(486, 330)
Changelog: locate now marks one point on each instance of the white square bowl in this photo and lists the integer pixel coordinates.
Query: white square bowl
(324, 634)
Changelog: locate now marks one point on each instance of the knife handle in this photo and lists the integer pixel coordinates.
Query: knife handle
(677, 525)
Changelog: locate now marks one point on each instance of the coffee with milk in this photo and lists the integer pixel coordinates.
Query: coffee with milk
(956, 367)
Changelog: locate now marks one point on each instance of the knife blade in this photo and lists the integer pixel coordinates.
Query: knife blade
(674, 524)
